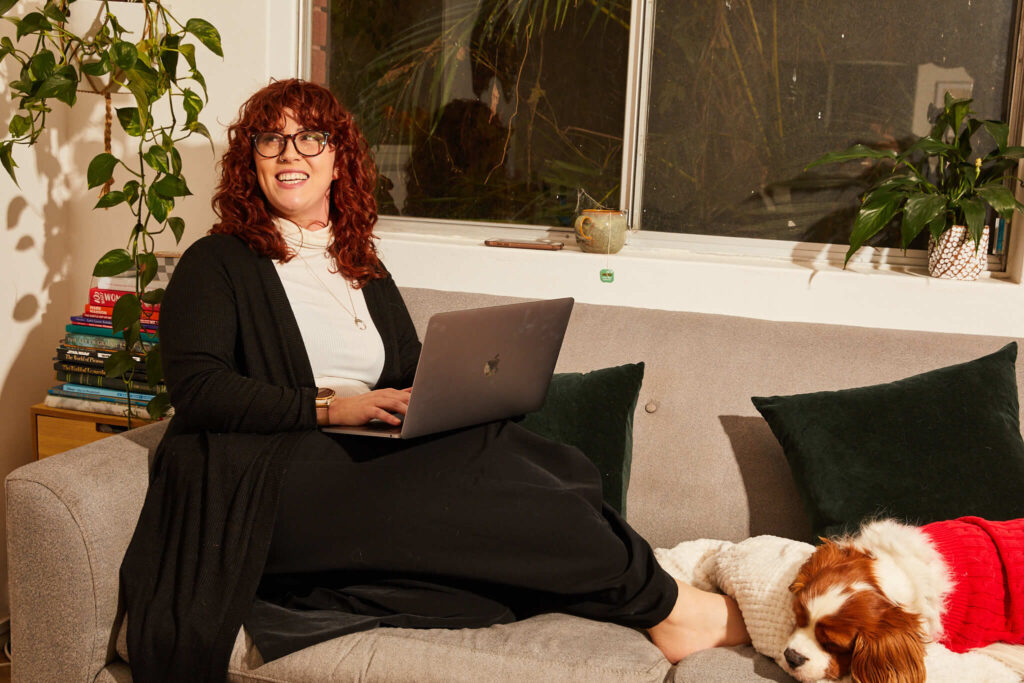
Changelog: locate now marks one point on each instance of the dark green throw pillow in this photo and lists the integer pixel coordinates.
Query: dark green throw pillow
(594, 412)
(939, 445)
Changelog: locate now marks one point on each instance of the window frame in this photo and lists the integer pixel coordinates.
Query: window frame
(631, 187)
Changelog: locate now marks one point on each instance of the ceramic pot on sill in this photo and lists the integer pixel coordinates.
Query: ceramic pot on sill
(954, 256)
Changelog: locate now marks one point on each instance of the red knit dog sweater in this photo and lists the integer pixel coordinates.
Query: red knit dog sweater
(986, 562)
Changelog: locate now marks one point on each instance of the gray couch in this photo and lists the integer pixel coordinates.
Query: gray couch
(704, 465)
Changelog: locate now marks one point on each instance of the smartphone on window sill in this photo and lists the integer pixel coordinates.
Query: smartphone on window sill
(547, 245)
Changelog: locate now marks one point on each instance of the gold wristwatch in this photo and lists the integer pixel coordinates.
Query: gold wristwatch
(324, 396)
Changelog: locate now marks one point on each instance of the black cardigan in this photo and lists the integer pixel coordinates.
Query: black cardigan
(242, 389)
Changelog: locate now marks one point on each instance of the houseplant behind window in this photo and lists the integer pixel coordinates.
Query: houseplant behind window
(58, 64)
(943, 184)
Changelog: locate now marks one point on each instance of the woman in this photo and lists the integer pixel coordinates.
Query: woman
(255, 516)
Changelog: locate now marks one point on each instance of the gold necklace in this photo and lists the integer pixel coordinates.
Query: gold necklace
(348, 288)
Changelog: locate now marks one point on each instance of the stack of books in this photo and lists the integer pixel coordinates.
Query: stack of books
(90, 339)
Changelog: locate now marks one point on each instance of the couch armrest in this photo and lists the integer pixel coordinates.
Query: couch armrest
(69, 520)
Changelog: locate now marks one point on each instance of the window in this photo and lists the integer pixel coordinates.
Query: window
(494, 110)
(698, 117)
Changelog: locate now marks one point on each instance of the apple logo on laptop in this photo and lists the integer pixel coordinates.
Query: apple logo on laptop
(491, 366)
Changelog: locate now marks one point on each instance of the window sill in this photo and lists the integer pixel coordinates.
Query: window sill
(652, 272)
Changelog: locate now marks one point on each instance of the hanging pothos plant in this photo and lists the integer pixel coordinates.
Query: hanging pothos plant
(157, 66)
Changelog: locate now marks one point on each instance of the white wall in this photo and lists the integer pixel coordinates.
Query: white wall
(52, 236)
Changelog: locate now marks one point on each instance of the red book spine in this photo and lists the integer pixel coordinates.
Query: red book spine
(148, 313)
(108, 297)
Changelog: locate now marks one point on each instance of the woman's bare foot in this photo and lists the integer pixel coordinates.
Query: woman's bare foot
(699, 620)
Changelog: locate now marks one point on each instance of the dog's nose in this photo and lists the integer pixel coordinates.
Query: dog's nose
(794, 658)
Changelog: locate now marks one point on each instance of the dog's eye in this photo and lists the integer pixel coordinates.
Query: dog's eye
(833, 648)
(834, 641)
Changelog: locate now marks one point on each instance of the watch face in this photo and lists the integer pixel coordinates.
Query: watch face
(324, 393)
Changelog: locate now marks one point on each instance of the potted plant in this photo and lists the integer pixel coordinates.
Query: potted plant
(148, 64)
(941, 183)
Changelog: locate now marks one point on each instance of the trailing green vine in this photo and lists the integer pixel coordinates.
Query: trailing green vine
(158, 67)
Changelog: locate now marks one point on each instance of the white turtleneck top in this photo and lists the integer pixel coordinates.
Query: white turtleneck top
(343, 357)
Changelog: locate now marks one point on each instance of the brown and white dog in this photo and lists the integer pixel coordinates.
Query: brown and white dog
(866, 605)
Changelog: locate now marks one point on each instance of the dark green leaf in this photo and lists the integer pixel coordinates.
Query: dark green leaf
(177, 226)
(54, 13)
(158, 206)
(153, 296)
(31, 23)
(175, 161)
(974, 214)
(999, 132)
(171, 186)
(126, 311)
(206, 33)
(147, 268)
(120, 362)
(25, 87)
(1010, 153)
(192, 103)
(20, 125)
(959, 109)
(100, 169)
(920, 210)
(128, 117)
(114, 262)
(929, 146)
(937, 226)
(97, 68)
(41, 65)
(877, 210)
(124, 54)
(999, 198)
(7, 160)
(855, 152)
(159, 405)
(169, 56)
(131, 334)
(131, 191)
(156, 157)
(62, 84)
(154, 366)
(112, 198)
(6, 5)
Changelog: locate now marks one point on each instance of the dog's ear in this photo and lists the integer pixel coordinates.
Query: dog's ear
(891, 652)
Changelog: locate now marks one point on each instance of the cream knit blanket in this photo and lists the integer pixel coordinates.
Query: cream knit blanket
(757, 573)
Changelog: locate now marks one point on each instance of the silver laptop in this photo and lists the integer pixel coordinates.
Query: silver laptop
(480, 365)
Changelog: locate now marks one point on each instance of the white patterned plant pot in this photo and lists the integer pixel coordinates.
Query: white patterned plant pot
(955, 256)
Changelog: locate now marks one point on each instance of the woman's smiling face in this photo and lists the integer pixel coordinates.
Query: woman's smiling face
(297, 186)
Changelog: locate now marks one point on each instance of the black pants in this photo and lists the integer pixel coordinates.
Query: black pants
(468, 528)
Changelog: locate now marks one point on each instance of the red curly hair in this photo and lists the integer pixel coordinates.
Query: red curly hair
(243, 210)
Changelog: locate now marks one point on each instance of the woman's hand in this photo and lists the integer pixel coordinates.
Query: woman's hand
(378, 404)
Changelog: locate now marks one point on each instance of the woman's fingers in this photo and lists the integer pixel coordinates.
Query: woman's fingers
(379, 404)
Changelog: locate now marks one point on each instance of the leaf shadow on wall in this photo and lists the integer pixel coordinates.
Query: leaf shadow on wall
(36, 260)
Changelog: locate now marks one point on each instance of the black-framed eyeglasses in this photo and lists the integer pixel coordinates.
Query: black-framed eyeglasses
(308, 143)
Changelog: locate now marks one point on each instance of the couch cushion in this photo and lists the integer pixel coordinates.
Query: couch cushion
(740, 664)
(935, 446)
(594, 412)
(549, 647)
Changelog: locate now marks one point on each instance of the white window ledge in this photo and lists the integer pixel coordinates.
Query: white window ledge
(651, 273)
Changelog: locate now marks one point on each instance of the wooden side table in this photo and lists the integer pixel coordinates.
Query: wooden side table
(55, 430)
